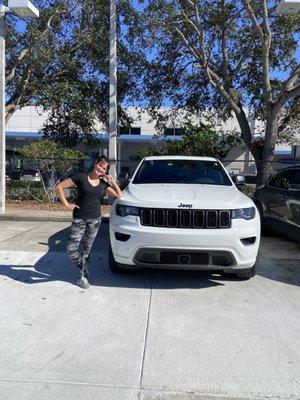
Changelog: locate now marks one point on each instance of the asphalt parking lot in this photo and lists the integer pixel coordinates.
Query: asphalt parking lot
(167, 335)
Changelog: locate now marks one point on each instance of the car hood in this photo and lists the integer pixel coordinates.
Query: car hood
(184, 196)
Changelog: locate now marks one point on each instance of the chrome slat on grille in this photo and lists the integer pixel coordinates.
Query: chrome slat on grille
(172, 218)
(224, 220)
(146, 216)
(198, 219)
(211, 219)
(159, 217)
(186, 219)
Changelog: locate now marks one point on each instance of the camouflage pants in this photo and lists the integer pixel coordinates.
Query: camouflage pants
(85, 231)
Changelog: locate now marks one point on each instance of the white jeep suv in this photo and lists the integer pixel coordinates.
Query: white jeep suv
(184, 213)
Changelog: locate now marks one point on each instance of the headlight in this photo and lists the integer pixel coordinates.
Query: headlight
(123, 211)
(243, 213)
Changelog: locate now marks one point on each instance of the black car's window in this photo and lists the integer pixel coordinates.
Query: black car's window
(294, 181)
(182, 171)
(280, 180)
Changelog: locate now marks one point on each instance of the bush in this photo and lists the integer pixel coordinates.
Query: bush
(24, 184)
(47, 157)
(197, 140)
(25, 190)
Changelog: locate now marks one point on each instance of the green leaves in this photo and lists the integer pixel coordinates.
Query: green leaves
(47, 154)
(197, 140)
(66, 68)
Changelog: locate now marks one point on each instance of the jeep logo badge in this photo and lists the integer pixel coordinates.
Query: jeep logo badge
(181, 205)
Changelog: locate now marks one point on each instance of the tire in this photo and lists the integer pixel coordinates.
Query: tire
(246, 274)
(114, 266)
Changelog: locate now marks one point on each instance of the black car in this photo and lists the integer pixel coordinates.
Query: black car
(278, 202)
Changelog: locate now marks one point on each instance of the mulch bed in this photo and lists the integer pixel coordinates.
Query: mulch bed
(36, 205)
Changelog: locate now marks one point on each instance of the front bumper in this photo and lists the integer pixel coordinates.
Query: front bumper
(209, 241)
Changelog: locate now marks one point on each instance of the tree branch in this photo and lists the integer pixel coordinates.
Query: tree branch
(14, 106)
(289, 84)
(225, 66)
(266, 53)
(198, 31)
(243, 58)
(24, 53)
(253, 18)
(288, 95)
(213, 78)
(265, 35)
(200, 55)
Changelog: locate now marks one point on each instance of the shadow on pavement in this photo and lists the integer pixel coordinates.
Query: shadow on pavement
(55, 266)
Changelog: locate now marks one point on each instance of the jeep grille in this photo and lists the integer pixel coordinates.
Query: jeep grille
(188, 219)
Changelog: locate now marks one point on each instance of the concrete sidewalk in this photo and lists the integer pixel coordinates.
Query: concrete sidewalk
(165, 335)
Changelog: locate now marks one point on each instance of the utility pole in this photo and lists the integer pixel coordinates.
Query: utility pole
(22, 9)
(112, 131)
(2, 110)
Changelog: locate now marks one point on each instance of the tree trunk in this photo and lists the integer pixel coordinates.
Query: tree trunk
(265, 164)
(9, 114)
(263, 153)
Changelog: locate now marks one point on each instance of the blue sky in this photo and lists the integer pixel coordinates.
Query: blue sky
(21, 25)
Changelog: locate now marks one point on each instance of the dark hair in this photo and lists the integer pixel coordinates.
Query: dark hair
(104, 159)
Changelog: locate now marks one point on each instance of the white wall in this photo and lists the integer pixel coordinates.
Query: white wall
(31, 119)
(28, 119)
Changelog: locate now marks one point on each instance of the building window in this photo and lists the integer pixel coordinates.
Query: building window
(173, 131)
(168, 131)
(135, 131)
(124, 131)
(130, 131)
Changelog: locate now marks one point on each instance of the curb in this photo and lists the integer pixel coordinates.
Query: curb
(45, 218)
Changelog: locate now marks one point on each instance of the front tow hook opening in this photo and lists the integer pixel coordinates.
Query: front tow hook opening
(249, 241)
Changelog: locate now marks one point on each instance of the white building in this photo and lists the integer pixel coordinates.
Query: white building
(25, 125)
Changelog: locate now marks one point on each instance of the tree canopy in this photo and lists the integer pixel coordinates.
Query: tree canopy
(61, 62)
(227, 57)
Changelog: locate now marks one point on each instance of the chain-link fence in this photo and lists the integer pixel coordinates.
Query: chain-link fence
(24, 181)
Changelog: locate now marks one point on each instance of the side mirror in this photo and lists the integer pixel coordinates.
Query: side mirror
(238, 180)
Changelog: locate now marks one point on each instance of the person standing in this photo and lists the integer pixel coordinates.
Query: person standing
(91, 187)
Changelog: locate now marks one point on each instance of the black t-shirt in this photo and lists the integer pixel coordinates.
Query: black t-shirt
(88, 197)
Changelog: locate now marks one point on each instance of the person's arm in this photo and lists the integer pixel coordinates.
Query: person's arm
(113, 190)
(59, 190)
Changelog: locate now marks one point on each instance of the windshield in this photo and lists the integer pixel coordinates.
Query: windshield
(182, 171)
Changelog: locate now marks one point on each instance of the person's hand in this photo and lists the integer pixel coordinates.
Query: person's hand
(71, 207)
(110, 180)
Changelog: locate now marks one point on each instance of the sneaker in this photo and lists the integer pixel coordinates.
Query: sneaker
(83, 282)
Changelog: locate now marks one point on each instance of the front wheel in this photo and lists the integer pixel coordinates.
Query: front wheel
(114, 266)
(246, 274)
